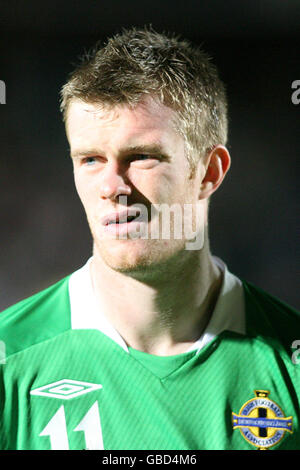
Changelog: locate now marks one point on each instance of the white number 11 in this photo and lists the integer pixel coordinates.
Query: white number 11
(90, 424)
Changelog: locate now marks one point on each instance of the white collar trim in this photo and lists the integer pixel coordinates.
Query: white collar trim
(229, 312)
(85, 313)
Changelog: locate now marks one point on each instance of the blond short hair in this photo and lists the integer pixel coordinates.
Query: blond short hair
(140, 62)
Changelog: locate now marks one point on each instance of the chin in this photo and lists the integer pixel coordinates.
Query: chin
(137, 256)
(125, 255)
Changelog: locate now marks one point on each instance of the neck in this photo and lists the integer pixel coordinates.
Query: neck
(162, 311)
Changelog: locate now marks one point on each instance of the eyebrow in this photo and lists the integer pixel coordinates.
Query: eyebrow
(152, 149)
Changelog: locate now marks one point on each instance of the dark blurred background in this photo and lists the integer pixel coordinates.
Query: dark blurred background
(253, 216)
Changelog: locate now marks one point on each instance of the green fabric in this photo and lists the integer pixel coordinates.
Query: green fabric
(140, 401)
(37, 318)
(161, 366)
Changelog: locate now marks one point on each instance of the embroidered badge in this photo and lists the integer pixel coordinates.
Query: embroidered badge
(261, 421)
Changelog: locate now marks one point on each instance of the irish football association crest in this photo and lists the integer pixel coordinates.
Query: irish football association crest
(261, 421)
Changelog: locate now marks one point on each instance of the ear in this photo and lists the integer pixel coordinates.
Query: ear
(216, 164)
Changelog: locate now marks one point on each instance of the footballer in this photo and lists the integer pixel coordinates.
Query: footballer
(153, 344)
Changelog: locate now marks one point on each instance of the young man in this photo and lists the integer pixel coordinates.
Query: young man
(153, 344)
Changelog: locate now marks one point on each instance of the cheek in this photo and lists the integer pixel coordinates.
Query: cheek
(79, 185)
(155, 185)
(85, 191)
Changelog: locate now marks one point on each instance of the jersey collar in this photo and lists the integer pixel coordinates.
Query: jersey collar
(228, 314)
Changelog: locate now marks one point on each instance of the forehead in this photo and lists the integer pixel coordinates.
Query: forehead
(148, 120)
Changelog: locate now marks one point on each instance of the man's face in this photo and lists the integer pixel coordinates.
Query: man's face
(133, 155)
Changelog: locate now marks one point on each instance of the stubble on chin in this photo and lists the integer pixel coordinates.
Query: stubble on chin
(136, 256)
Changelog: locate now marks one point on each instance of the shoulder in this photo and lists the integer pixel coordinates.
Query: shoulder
(36, 318)
(268, 316)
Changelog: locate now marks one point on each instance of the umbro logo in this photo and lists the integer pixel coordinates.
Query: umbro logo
(65, 389)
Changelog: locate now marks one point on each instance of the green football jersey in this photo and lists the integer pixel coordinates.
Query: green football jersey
(76, 388)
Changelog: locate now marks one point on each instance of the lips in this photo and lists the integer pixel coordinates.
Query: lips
(123, 217)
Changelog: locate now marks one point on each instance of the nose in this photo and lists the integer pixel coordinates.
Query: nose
(113, 183)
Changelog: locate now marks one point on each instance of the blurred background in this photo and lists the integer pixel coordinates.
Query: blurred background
(253, 215)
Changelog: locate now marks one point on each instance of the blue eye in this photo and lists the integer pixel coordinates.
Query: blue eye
(89, 160)
(144, 161)
(143, 157)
